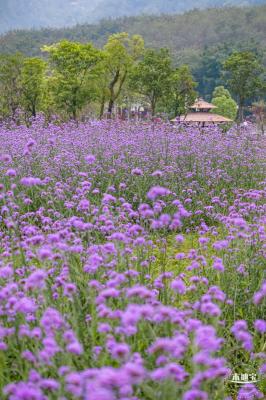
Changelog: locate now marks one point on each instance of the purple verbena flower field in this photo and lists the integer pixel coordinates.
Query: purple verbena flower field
(132, 262)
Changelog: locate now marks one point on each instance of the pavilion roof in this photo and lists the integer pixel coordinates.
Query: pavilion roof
(202, 105)
(203, 117)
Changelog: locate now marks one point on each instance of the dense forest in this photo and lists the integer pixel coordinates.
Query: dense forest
(79, 81)
(27, 14)
(202, 39)
(183, 34)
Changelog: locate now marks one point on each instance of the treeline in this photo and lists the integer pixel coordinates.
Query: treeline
(77, 80)
(35, 13)
(201, 39)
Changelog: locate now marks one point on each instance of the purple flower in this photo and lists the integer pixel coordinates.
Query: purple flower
(205, 339)
(157, 173)
(30, 181)
(260, 295)
(49, 384)
(75, 348)
(104, 328)
(249, 392)
(220, 245)
(179, 238)
(52, 320)
(69, 289)
(84, 205)
(263, 369)
(157, 191)
(137, 172)
(6, 158)
(6, 272)
(195, 394)
(119, 350)
(11, 173)
(239, 329)
(178, 286)
(36, 280)
(25, 306)
(218, 264)
(45, 253)
(90, 159)
(260, 325)
(23, 390)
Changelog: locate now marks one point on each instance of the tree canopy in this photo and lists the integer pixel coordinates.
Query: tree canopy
(77, 79)
(201, 39)
(244, 75)
(182, 93)
(152, 76)
(226, 105)
(120, 54)
(72, 64)
(32, 82)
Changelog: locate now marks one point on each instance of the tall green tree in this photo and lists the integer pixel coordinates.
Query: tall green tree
(121, 52)
(152, 76)
(72, 70)
(225, 104)
(32, 82)
(244, 75)
(10, 83)
(182, 92)
(221, 91)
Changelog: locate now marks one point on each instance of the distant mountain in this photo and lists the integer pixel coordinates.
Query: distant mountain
(184, 34)
(27, 14)
(116, 8)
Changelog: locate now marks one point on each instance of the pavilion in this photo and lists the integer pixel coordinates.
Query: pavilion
(201, 115)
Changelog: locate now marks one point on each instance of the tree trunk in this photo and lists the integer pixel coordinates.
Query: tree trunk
(74, 114)
(153, 107)
(110, 107)
(74, 101)
(102, 107)
(112, 93)
(176, 110)
(34, 110)
(240, 112)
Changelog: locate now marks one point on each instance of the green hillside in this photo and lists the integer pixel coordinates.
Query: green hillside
(203, 39)
(193, 30)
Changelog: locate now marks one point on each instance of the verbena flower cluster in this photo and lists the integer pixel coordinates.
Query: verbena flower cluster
(132, 262)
